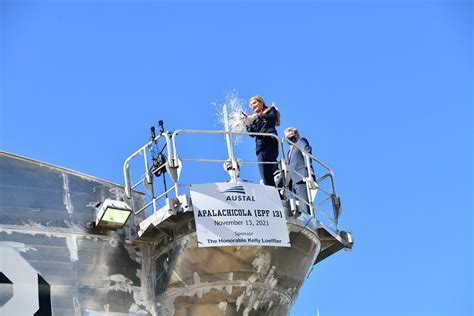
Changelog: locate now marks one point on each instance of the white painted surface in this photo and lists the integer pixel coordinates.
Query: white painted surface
(25, 283)
(239, 214)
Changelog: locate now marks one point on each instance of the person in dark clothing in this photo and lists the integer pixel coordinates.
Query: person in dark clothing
(265, 120)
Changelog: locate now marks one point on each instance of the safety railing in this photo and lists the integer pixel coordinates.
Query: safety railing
(174, 163)
(230, 146)
(313, 184)
(149, 171)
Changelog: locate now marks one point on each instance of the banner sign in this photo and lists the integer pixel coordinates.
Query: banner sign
(238, 214)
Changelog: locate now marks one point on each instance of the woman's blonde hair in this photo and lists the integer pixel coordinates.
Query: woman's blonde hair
(260, 99)
(277, 110)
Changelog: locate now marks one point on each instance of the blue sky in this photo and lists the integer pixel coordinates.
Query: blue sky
(382, 89)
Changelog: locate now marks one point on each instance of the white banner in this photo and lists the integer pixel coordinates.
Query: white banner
(238, 214)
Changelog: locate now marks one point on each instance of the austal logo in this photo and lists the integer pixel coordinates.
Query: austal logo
(238, 189)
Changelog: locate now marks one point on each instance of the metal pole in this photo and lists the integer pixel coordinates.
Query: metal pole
(308, 185)
(230, 148)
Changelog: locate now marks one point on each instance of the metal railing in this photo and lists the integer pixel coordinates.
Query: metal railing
(314, 184)
(174, 164)
(147, 177)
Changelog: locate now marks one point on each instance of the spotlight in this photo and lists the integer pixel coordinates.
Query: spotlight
(113, 214)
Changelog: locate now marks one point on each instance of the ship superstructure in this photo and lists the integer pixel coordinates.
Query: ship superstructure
(230, 247)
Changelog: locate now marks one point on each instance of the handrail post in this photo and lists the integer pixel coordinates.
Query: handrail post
(174, 160)
(230, 147)
(148, 179)
(168, 145)
(308, 184)
(128, 177)
(175, 155)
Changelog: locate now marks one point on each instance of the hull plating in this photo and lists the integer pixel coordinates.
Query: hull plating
(44, 212)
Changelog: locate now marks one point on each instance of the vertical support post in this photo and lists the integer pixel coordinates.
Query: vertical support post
(308, 185)
(128, 178)
(148, 178)
(284, 165)
(230, 145)
(149, 185)
(172, 158)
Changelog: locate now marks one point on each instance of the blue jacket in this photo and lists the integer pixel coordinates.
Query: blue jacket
(265, 123)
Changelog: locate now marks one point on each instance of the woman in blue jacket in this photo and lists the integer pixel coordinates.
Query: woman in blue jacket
(265, 120)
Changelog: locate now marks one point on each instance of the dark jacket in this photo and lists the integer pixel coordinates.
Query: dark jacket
(265, 123)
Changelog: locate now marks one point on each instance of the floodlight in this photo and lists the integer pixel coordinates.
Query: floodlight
(113, 214)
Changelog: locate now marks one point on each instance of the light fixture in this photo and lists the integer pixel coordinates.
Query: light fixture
(113, 214)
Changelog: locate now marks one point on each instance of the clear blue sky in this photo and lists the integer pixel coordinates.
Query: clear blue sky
(382, 89)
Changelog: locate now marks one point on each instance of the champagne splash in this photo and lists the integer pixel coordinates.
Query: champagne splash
(235, 106)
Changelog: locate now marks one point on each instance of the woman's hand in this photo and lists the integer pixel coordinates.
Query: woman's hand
(247, 119)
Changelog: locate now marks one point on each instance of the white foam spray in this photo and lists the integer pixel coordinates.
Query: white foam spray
(235, 106)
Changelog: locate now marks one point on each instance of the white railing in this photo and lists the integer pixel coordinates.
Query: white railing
(174, 163)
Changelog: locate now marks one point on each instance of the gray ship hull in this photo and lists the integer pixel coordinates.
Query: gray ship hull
(74, 269)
